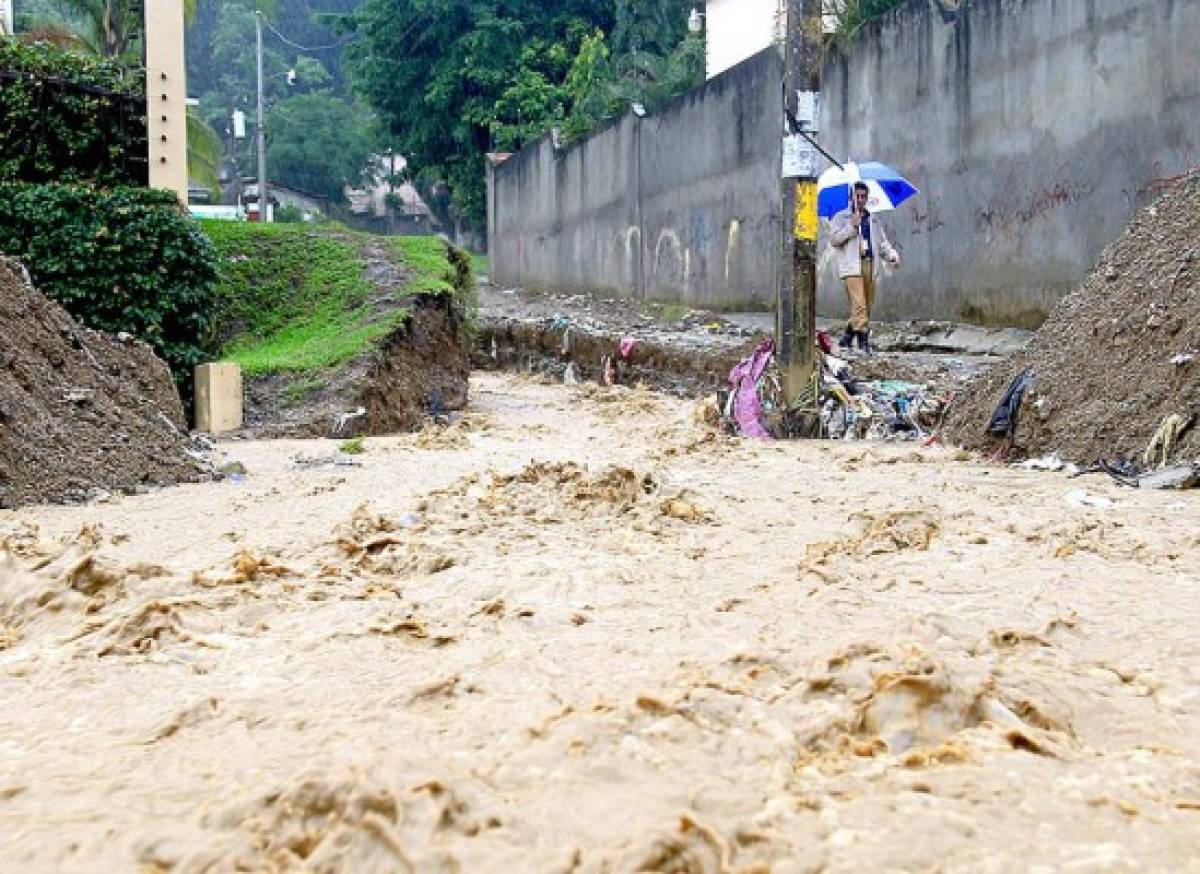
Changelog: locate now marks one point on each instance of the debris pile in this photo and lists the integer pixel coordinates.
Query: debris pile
(850, 408)
(81, 413)
(1116, 368)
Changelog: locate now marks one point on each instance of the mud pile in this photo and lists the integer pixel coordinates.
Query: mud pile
(80, 412)
(1118, 355)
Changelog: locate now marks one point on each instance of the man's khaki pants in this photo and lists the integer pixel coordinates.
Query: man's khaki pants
(861, 292)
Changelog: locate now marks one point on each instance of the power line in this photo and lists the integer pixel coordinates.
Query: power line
(298, 47)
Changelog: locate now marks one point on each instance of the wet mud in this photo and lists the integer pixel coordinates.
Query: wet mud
(578, 630)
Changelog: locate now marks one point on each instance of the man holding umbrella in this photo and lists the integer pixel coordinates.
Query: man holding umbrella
(857, 238)
(851, 195)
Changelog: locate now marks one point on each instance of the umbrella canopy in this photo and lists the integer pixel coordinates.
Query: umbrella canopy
(887, 188)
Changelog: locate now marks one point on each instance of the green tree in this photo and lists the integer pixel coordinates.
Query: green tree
(319, 144)
(452, 79)
(436, 71)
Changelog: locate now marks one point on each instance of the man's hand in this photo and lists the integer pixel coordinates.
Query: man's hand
(856, 220)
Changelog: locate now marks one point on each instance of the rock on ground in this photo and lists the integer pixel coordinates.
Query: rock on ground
(1118, 355)
(80, 412)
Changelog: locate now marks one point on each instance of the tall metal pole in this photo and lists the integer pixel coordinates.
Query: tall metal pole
(263, 195)
(7, 24)
(795, 327)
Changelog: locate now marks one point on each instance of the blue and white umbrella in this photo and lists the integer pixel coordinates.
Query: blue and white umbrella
(887, 189)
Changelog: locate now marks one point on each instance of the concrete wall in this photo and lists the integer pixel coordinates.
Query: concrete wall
(1035, 129)
(681, 205)
(739, 29)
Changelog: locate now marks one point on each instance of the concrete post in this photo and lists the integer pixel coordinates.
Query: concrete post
(7, 25)
(166, 96)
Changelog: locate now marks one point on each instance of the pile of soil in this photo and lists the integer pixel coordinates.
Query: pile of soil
(1117, 356)
(81, 412)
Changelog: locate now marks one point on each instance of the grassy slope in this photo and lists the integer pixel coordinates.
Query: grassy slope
(296, 298)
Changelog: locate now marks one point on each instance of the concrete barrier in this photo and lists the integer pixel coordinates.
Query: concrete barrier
(218, 398)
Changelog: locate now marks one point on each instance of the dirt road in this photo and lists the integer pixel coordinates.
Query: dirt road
(582, 633)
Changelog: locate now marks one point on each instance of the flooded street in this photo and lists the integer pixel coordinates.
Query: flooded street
(581, 632)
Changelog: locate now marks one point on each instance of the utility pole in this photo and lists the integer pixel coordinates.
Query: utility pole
(263, 194)
(7, 25)
(795, 320)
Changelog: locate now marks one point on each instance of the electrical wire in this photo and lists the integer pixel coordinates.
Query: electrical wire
(298, 47)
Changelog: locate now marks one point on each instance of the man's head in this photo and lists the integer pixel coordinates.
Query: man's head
(861, 194)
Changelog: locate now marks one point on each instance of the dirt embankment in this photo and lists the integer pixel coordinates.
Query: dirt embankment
(419, 368)
(80, 412)
(1117, 356)
(342, 334)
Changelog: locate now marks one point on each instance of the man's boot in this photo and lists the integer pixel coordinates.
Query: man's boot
(847, 341)
(864, 343)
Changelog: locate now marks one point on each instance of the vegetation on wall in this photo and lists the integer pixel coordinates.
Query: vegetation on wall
(121, 259)
(69, 117)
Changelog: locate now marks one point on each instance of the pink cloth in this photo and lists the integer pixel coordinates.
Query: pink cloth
(743, 381)
(627, 345)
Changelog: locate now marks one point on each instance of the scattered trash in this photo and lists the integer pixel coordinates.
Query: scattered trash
(744, 385)
(1050, 463)
(1081, 498)
(626, 347)
(849, 409)
(232, 468)
(1004, 421)
(236, 478)
(1175, 478)
(345, 419)
(571, 375)
(337, 459)
(1183, 358)
(608, 371)
(1165, 439)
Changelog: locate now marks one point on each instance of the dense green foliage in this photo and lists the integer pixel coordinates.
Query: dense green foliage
(319, 137)
(319, 144)
(851, 15)
(296, 298)
(453, 79)
(77, 118)
(122, 259)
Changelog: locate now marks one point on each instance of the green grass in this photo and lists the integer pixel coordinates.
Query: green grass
(353, 446)
(295, 298)
(426, 256)
(673, 312)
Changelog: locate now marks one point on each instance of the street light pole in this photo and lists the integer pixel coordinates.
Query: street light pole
(795, 322)
(263, 194)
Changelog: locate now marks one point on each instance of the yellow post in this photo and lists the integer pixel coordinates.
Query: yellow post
(166, 96)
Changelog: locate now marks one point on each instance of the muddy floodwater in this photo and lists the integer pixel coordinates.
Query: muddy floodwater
(581, 632)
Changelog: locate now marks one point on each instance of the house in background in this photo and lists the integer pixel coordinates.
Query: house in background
(389, 206)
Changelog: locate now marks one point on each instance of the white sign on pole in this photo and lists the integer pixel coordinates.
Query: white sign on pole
(239, 124)
(799, 158)
(808, 111)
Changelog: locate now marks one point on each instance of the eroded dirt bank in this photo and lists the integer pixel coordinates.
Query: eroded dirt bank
(597, 638)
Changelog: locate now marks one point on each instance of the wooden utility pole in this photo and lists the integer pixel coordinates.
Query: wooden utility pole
(795, 320)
